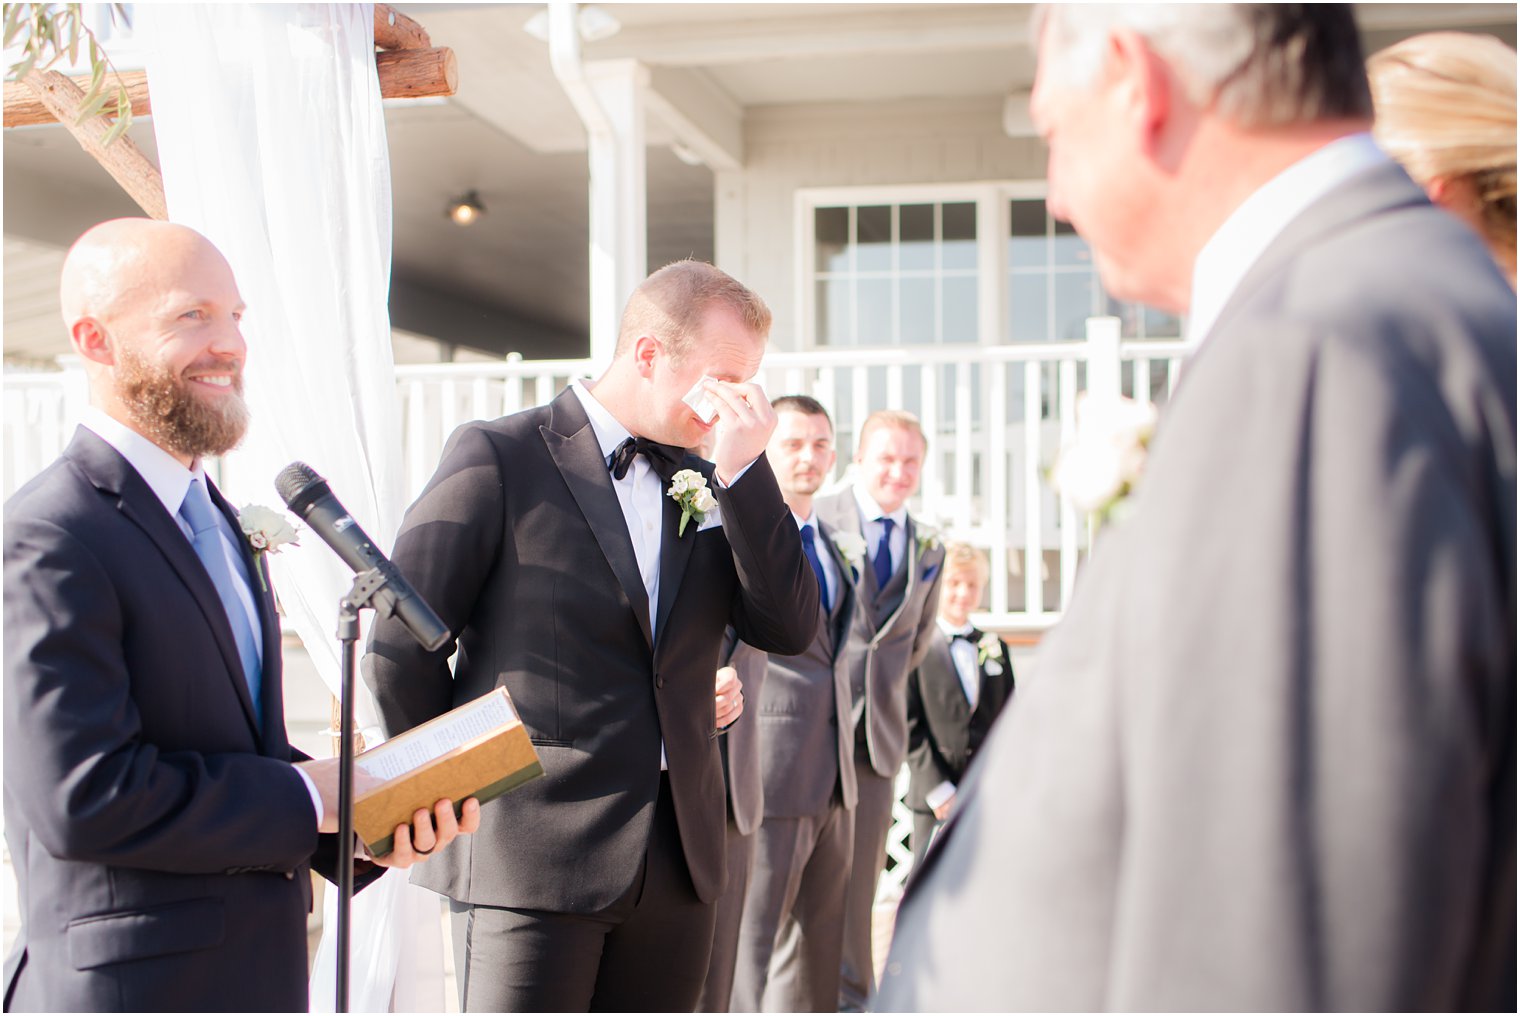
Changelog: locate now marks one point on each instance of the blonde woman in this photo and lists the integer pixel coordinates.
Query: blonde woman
(1445, 106)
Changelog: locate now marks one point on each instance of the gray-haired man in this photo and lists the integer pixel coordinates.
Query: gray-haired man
(1267, 761)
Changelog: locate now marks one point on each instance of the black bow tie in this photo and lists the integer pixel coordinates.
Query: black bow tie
(663, 459)
(973, 636)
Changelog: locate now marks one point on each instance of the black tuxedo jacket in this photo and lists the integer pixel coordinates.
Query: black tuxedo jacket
(519, 543)
(160, 839)
(739, 745)
(944, 732)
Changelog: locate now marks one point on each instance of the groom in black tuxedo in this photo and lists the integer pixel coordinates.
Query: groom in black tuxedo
(549, 543)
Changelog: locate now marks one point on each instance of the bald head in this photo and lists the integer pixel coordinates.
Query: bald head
(116, 259)
(153, 310)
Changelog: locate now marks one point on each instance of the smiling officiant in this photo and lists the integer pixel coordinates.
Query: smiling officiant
(550, 544)
(161, 828)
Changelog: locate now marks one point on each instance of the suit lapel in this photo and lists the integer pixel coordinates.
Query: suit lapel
(948, 693)
(271, 687)
(907, 575)
(1368, 193)
(844, 603)
(573, 446)
(675, 550)
(135, 499)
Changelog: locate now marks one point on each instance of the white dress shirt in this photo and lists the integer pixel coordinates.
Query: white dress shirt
(1261, 218)
(872, 515)
(169, 480)
(825, 556)
(639, 493)
(965, 656)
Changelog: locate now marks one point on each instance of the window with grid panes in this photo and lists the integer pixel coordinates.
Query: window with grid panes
(895, 274)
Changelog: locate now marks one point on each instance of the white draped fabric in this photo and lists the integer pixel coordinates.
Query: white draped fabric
(271, 138)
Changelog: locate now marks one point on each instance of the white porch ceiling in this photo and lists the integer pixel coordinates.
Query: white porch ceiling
(511, 134)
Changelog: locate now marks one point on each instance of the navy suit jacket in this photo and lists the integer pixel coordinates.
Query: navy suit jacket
(161, 840)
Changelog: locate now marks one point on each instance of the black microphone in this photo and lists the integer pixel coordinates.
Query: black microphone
(308, 495)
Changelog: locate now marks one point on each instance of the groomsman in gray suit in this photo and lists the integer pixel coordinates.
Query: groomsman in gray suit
(1267, 760)
(793, 927)
(740, 748)
(891, 632)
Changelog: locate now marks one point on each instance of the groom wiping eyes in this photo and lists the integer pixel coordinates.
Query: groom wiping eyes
(576, 568)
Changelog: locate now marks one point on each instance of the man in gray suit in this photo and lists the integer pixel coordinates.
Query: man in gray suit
(1267, 761)
(892, 630)
(793, 926)
(740, 750)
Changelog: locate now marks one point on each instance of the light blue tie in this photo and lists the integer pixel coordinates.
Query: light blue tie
(198, 510)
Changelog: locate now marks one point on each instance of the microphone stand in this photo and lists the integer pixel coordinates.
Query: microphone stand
(359, 596)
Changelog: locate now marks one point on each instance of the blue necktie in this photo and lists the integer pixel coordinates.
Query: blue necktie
(810, 548)
(198, 510)
(883, 558)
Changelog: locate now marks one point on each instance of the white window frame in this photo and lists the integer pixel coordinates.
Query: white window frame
(992, 222)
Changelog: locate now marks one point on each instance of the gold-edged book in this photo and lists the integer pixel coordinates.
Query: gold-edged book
(479, 750)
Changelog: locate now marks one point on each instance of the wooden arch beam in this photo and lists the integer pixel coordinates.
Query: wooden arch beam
(406, 63)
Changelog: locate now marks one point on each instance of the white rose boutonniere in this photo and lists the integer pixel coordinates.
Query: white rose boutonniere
(266, 531)
(1100, 469)
(689, 488)
(989, 654)
(851, 547)
(928, 539)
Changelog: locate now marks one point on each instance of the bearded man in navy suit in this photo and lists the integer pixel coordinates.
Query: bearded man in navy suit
(160, 830)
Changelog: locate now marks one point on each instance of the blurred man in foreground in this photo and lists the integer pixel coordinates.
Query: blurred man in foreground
(1267, 760)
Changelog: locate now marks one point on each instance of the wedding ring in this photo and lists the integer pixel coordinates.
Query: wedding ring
(424, 853)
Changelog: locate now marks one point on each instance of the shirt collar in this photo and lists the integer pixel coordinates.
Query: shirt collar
(1238, 244)
(609, 433)
(811, 520)
(871, 511)
(165, 475)
(951, 630)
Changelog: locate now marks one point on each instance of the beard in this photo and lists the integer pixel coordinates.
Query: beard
(168, 412)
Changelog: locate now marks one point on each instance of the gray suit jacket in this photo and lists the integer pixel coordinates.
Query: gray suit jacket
(890, 632)
(1267, 761)
(740, 744)
(805, 751)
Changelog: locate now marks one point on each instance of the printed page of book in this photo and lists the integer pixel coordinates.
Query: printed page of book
(432, 740)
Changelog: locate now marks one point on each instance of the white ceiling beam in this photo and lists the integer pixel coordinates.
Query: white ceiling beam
(881, 31)
(1426, 17)
(700, 115)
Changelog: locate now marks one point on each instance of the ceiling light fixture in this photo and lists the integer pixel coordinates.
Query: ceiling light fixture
(594, 24)
(466, 210)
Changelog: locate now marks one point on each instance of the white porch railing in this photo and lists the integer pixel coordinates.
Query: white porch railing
(995, 418)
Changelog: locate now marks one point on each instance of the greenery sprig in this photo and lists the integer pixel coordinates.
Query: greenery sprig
(49, 32)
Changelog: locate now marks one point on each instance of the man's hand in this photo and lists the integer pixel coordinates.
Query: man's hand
(324, 773)
(745, 422)
(942, 812)
(427, 833)
(730, 692)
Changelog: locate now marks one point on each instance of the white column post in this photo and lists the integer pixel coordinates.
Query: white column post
(609, 98)
(1103, 381)
(619, 198)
